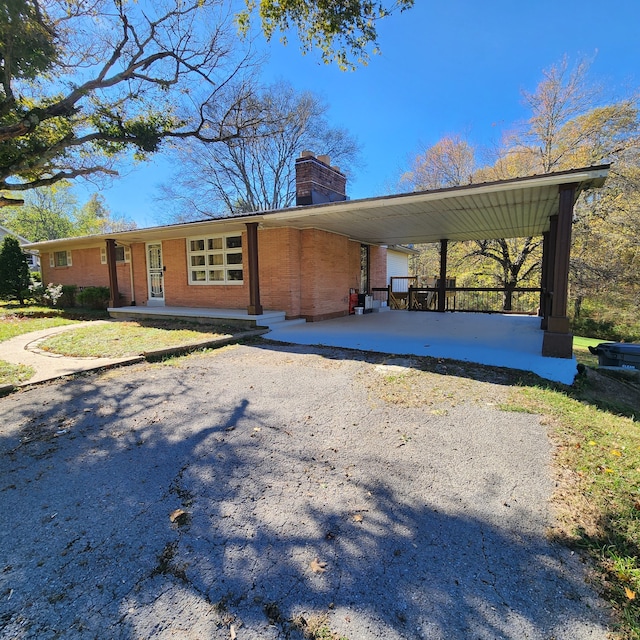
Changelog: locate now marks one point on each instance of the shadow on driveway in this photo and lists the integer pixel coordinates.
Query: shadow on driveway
(432, 524)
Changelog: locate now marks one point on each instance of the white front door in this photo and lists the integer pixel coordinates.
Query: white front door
(155, 274)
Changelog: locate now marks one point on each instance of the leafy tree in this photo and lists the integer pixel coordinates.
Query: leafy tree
(256, 172)
(46, 214)
(450, 162)
(342, 30)
(84, 83)
(53, 212)
(94, 217)
(570, 126)
(14, 271)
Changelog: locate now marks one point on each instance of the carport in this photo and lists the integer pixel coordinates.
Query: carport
(517, 208)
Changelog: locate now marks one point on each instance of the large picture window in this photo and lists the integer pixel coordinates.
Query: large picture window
(215, 260)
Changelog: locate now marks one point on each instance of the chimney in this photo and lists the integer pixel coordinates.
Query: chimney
(317, 181)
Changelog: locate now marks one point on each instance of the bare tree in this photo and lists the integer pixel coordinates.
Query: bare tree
(256, 171)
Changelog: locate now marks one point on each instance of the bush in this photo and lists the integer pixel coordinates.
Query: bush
(68, 297)
(603, 330)
(94, 297)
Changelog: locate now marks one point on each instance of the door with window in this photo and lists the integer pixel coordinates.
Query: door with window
(155, 274)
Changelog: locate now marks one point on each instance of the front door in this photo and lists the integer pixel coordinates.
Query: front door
(155, 275)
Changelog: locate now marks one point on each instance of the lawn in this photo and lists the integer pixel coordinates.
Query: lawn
(595, 428)
(120, 339)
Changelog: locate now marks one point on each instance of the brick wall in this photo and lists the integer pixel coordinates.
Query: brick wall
(86, 270)
(306, 273)
(377, 266)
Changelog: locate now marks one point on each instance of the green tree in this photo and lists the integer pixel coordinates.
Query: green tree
(46, 214)
(94, 217)
(85, 83)
(53, 212)
(14, 271)
(342, 30)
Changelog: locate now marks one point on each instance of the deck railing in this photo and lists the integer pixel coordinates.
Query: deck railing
(478, 299)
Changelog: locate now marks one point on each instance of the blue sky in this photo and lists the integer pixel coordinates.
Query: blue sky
(446, 67)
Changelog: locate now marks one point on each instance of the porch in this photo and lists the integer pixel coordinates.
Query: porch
(240, 317)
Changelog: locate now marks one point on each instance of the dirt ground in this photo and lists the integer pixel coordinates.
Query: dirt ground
(269, 491)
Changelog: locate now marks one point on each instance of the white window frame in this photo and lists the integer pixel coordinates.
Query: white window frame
(207, 253)
(52, 260)
(126, 253)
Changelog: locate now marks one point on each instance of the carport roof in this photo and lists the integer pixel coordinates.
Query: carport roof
(513, 208)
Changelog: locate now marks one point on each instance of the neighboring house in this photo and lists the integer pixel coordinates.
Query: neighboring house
(32, 256)
(305, 260)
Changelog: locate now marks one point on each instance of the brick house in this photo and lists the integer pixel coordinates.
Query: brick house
(305, 260)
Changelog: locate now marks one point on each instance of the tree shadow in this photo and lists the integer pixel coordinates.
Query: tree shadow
(295, 500)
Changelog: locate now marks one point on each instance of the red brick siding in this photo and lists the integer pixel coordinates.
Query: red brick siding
(305, 273)
(86, 270)
(279, 266)
(377, 266)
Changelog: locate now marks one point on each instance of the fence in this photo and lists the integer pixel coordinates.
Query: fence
(479, 299)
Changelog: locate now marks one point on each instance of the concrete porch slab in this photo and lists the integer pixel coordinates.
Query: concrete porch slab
(196, 314)
(510, 341)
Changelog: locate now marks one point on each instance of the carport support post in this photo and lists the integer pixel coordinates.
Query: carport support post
(254, 308)
(558, 341)
(546, 279)
(114, 300)
(442, 283)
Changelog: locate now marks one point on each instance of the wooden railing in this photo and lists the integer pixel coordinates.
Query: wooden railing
(479, 299)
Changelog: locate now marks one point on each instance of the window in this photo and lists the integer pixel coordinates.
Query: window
(215, 260)
(123, 254)
(60, 259)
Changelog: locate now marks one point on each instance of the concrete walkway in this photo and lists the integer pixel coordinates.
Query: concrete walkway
(24, 349)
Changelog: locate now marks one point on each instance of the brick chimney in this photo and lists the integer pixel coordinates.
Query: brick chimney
(317, 181)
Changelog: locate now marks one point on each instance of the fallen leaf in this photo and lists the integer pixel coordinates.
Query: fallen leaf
(630, 594)
(592, 443)
(615, 452)
(257, 429)
(232, 632)
(178, 516)
(317, 566)
(358, 517)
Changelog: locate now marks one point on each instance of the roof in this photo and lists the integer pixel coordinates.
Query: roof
(518, 207)
(7, 232)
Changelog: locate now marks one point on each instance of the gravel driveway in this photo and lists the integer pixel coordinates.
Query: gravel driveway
(267, 491)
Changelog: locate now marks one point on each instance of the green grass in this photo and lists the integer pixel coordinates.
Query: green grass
(14, 373)
(599, 505)
(581, 350)
(120, 339)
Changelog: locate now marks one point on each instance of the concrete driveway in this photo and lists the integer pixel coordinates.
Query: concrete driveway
(259, 492)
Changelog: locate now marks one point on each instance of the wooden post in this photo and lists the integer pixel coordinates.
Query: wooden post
(442, 284)
(114, 300)
(254, 308)
(558, 341)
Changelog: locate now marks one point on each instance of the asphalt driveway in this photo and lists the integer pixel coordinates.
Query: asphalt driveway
(257, 491)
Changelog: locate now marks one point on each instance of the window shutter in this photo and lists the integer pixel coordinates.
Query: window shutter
(103, 255)
(127, 254)
(51, 260)
(69, 263)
